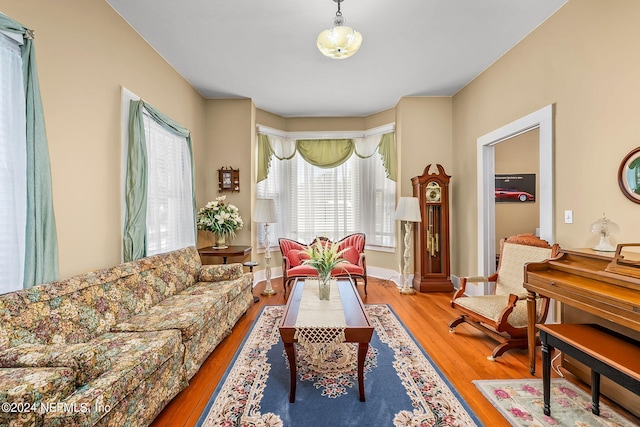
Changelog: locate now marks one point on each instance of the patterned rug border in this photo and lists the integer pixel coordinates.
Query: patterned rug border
(605, 410)
(434, 365)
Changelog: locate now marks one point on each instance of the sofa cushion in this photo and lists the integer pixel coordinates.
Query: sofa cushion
(134, 356)
(351, 255)
(187, 312)
(216, 273)
(297, 257)
(343, 269)
(227, 290)
(88, 360)
(33, 387)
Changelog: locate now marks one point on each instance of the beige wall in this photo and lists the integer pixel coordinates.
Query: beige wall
(230, 138)
(83, 60)
(584, 61)
(518, 155)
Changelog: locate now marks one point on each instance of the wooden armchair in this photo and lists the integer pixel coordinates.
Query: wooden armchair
(503, 315)
(293, 256)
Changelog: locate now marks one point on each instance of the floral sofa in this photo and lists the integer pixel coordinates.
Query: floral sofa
(114, 346)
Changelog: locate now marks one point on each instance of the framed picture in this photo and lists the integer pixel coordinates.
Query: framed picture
(515, 188)
(228, 179)
(629, 176)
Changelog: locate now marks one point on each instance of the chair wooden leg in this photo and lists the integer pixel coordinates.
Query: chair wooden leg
(455, 322)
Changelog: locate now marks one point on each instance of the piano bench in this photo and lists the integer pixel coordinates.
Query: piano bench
(613, 355)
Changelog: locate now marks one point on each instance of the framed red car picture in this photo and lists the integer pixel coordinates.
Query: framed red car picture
(515, 188)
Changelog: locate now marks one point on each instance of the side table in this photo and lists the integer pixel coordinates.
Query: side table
(231, 251)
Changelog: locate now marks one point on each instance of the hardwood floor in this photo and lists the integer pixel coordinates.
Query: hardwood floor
(461, 357)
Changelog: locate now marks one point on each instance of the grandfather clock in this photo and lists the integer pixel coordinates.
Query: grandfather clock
(431, 242)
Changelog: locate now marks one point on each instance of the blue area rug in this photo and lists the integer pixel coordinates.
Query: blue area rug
(403, 387)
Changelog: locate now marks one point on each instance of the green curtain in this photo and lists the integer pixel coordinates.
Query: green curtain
(325, 153)
(328, 153)
(135, 226)
(264, 156)
(41, 244)
(387, 150)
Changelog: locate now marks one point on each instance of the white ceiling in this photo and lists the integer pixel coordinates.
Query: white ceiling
(266, 50)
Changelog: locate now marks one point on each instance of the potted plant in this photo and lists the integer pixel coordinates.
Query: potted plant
(324, 256)
(220, 218)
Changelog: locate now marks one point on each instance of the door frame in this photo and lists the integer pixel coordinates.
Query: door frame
(541, 119)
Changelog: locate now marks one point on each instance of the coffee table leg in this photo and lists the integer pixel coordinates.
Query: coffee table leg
(362, 354)
(291, 355)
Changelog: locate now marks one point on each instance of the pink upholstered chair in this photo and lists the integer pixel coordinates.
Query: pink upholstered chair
(293, 256)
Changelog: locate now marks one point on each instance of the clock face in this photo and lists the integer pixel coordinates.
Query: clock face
(433, 192)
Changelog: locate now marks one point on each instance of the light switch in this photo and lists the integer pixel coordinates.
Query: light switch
(568, 217)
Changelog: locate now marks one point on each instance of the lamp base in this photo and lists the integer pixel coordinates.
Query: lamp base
(407, 291)
(268, 292)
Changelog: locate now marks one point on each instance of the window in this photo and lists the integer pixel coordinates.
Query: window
(158, 193)
(354, 197)
(170, 222)
(13, 167)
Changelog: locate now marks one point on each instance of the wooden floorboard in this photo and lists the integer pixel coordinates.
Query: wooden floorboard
(461, 357)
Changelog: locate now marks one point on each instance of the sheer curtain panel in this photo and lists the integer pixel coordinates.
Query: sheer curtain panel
(40, 240)
(13, 167)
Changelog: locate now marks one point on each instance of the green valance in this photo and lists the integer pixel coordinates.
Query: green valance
(325, 153)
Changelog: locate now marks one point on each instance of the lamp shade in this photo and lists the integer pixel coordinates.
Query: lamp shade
(408, 209)
(265, 211)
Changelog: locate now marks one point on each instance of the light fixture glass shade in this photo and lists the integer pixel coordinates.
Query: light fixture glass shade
(605, 227)
(339, 42)
(408, 209)
(265, 211)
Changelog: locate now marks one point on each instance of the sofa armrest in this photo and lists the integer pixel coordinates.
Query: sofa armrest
(87, 360)
(219, 272)
(35, 356)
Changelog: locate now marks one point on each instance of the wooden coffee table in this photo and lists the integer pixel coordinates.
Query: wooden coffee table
(358, 330)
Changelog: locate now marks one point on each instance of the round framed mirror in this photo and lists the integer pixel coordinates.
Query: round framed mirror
(629, 175)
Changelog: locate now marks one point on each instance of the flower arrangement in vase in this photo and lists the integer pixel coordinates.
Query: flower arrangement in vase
(324, 256)
(220, 218)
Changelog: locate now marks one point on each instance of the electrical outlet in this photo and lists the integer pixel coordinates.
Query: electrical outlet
(568, 217)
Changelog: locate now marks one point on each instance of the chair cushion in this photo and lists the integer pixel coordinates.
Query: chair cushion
(512, 261)
(352, 255)
(490, 306)
(296, 257)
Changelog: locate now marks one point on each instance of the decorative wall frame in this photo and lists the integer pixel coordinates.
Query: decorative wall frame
(228, 179)
(629, 176)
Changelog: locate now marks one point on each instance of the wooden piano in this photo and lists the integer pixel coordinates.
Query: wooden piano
(590, 291)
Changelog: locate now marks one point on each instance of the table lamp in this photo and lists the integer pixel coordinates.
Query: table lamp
(265, 212)
(408, 210)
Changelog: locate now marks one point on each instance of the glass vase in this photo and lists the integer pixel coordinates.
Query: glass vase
(324, 284)
(220, 240)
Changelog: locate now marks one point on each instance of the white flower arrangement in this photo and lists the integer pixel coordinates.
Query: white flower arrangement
(220, 217)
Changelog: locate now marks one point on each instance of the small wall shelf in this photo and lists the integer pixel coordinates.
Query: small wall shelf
(228, 179)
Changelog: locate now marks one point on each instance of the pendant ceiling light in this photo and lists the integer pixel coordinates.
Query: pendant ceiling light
(340, 41)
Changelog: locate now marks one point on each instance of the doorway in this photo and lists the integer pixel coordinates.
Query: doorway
(542, 120)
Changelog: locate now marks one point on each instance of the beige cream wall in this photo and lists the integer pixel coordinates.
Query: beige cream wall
(230, 137)
(584, 61)
(518, 155)
(83, 60)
